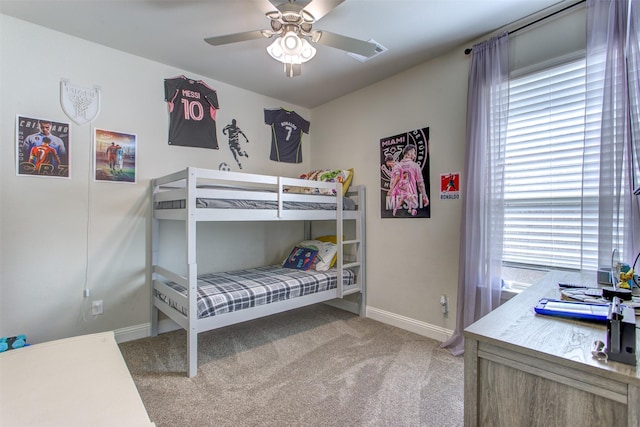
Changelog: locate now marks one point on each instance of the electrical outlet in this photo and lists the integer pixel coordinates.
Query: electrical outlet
(444, 304)
(96, 307)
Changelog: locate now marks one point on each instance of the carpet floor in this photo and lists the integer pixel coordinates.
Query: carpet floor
(314, 366)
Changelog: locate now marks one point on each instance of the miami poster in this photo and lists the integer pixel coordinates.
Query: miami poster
(404, 175)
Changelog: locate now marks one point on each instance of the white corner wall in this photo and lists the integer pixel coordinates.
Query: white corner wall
(412, 262)
(58, 235)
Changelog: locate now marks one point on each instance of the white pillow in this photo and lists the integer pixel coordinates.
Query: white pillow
(326, 252)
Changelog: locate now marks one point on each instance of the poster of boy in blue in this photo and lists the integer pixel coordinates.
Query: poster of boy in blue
(404, 175)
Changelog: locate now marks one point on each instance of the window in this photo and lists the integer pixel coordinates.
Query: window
(545, 154)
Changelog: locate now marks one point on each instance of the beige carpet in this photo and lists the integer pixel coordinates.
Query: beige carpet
(314, 366)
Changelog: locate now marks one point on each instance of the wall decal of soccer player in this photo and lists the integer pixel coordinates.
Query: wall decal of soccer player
(407, 184)
(234, 140)
(44, 157)
(36, 139)
(119, 158)
(387, 166)
(451, 184)
(111, 155)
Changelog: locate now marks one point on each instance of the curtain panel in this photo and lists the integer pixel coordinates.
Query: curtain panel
(480, 263)
(612, 88)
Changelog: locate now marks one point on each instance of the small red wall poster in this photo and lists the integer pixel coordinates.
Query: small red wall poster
(450, 186)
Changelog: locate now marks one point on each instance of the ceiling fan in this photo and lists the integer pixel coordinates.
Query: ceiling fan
(292, 23)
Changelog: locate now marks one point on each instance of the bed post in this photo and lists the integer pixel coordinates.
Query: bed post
(154, 259)
(307, 230)
(361, 236)
(340, 239)
(192, 275)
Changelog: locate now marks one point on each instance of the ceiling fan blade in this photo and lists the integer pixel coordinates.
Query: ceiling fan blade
(345, 43)
(267, 5)
(319, 8)
(233, 38)
(276, 3)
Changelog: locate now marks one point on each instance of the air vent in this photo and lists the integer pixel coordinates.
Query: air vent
(379, 50)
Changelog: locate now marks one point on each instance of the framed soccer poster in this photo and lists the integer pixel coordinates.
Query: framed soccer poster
(114, 155)
(42, 147)
(404, 175)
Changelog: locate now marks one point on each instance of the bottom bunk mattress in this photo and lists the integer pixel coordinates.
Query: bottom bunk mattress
(225, 292)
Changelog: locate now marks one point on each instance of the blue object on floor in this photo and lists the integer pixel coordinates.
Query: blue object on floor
(10, 343)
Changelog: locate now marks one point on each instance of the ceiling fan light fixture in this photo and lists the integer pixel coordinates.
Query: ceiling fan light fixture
(292, 24)
(292, 51)
(275, 51)
(291, 43)
(307, 52)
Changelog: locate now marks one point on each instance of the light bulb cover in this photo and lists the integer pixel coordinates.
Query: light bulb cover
(291, 49)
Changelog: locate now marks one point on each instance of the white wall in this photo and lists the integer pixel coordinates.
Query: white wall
(411, 262)
(43, 234)
(56, 232)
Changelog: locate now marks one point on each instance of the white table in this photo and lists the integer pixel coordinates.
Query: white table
(78, 381)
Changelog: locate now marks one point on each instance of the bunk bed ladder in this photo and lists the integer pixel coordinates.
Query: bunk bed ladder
(358, 244)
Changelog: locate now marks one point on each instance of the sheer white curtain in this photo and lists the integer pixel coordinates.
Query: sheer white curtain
(481, 231)
(612, 90)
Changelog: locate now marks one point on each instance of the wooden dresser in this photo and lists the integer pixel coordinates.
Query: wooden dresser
(524, 369)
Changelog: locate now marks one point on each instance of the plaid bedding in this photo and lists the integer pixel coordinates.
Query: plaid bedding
(225, 292)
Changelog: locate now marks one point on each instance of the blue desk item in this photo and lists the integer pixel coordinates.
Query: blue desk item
(573, 310)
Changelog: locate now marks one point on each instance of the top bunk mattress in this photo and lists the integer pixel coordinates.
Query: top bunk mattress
(207, 203)
(225, 292)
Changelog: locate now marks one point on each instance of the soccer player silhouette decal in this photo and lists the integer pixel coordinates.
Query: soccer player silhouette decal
(234, 132)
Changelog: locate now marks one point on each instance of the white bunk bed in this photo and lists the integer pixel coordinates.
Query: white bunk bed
(194, 195)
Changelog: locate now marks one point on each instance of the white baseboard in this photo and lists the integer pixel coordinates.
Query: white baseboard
(142, 331)
(421, 328)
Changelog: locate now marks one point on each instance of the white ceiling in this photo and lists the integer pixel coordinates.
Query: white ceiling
(172, 32)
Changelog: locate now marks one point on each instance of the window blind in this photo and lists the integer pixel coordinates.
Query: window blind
(550, 139)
